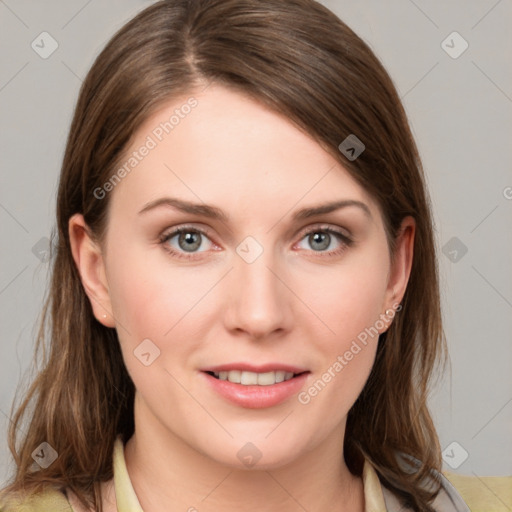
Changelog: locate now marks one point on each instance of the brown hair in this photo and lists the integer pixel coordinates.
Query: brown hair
(299, 59)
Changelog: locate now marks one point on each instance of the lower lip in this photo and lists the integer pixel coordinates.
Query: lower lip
(255, 396)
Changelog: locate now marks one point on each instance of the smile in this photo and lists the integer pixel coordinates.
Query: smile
(252, 378)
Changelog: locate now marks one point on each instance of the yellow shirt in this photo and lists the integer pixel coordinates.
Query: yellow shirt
(482, 494)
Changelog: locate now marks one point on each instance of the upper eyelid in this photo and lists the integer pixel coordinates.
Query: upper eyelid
(171, 232)
(323, 226)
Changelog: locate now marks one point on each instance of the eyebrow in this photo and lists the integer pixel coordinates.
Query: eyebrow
(213, 212)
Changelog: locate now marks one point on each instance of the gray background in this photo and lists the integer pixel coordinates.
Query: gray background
(461, 113)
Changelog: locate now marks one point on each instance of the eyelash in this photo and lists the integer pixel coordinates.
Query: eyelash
(166, 236)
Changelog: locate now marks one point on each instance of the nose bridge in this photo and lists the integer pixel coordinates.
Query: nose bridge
(258, 303)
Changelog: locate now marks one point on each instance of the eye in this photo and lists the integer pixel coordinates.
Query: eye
(326, 240)
(185, 241)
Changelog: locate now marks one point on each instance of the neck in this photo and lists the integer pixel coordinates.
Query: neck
(164, 469)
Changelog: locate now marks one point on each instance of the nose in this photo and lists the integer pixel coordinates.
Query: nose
(259, 303)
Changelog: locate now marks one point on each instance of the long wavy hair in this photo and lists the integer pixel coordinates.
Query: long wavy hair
(302, 61)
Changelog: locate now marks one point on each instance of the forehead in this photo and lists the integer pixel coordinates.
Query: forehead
(220, 146)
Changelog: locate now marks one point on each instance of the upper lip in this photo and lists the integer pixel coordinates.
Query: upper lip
(247, 367)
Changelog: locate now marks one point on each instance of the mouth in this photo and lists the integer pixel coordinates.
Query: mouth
(247, 378)
(255, 390)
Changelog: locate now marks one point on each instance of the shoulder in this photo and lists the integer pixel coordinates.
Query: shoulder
(448, 498)
(49, 500)
(460, 493)
(484, 492)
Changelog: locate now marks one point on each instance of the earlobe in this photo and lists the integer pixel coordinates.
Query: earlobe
(89, 261)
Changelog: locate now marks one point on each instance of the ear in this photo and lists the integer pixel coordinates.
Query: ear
(401, 263)
(89, 261)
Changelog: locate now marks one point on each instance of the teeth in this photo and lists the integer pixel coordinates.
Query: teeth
(251, 378)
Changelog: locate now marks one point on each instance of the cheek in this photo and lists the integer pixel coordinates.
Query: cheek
(349, 301)
(348, 298)
(148, 294)
(153, 299)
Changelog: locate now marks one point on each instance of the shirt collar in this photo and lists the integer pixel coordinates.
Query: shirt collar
(127, 500)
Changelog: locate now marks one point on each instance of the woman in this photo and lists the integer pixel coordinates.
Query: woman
(244, 309)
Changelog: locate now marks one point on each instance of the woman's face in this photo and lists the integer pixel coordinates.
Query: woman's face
(255, 279)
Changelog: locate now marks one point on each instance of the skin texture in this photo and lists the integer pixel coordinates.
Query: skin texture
(295, 304)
